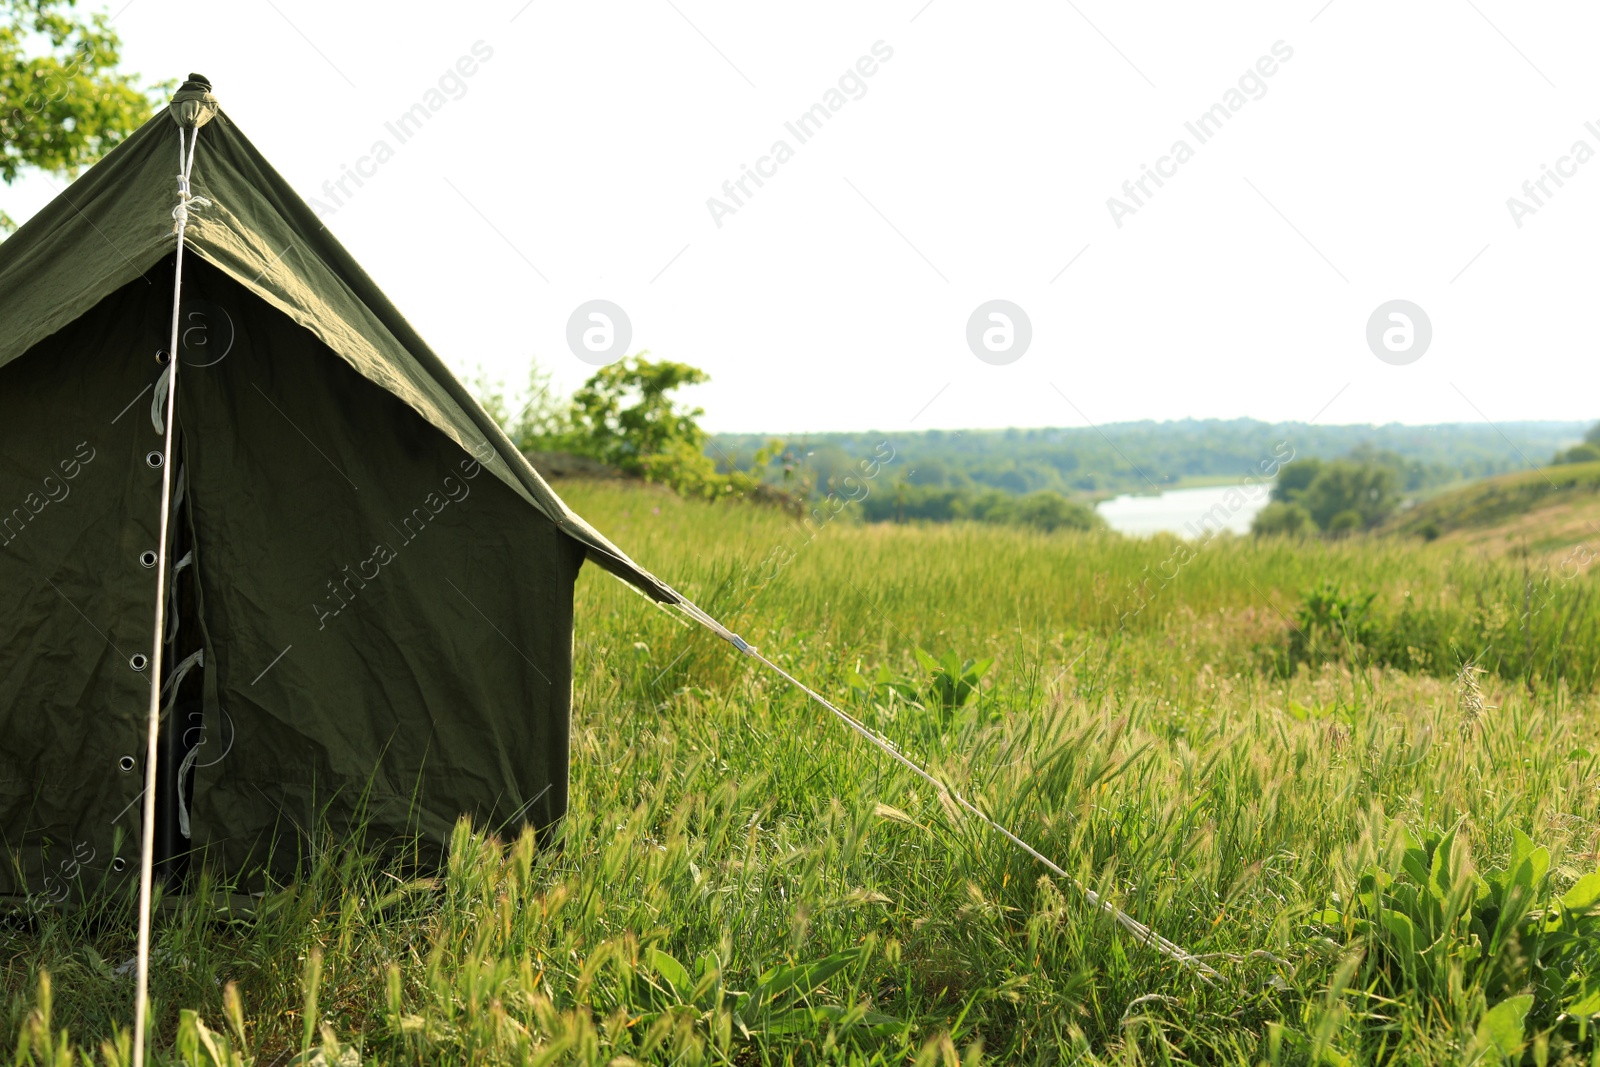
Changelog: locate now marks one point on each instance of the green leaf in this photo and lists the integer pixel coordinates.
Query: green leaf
(1521, 849)
(1500, 1030)
(1585, 1003)
(1374, 877)
(1415, 864)
(1442, 872)
(787, 984)
(671, 971)
(1404, 932)
(1584, 894)
(1528, 863)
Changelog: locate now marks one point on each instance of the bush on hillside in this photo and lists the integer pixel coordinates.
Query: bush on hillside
(626, 418)
(1043, 510)
(1338, 497)
(1345, 523)
(1293, 479)
(1584, 453)
(1369, 490)
(1283, 520)
(1587, 451)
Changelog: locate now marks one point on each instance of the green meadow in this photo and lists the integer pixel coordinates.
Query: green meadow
(1357, 779)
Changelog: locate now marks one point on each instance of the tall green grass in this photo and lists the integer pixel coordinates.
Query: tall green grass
(740, 881)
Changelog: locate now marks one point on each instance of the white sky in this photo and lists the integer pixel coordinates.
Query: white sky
(977, 165)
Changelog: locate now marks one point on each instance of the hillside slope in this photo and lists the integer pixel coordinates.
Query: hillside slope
(1549, 510)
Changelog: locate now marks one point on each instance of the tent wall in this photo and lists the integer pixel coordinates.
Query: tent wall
(78, 505)
(386, 625)
(383, 584)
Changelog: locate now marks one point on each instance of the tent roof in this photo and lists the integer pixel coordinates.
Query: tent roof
(113, 224)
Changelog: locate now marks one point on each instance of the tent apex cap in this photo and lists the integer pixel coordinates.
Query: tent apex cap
(193, 105)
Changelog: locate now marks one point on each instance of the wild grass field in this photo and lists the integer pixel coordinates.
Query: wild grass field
(1358, 779)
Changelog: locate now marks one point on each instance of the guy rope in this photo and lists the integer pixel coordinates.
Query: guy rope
(1138, 929)
(192, 107)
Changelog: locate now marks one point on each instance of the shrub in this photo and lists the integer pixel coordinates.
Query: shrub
(1364, 485)
(1345, 523)
(1045, 511)
(1293, 478)
(1584, 453)
(1330, 624)
(625, 417)
(1282, 520)
(1368, 489)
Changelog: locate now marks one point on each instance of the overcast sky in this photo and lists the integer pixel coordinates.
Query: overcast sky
(1360, 153)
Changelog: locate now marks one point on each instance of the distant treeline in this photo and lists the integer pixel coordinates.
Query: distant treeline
(1044, 510)
(1142, 456)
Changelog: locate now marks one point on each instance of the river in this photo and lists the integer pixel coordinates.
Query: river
(1186, 512)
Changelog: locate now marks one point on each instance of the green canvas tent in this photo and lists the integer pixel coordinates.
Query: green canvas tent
(370, 619)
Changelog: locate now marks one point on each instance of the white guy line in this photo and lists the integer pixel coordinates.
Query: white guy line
(271, 665)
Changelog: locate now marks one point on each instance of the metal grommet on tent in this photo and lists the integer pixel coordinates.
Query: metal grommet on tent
(118, 864)
(147, 558)
(163, 357)
(126, 764)
(138, 661)
(153, 458)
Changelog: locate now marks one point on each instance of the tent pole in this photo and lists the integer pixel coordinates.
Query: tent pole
(153, 722)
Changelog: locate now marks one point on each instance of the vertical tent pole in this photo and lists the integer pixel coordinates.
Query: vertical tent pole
(153, 723)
